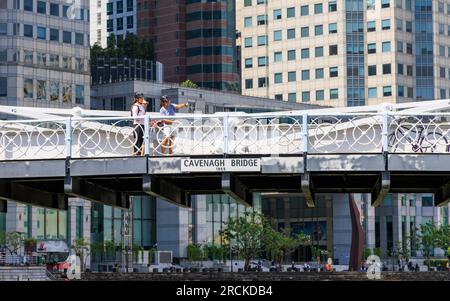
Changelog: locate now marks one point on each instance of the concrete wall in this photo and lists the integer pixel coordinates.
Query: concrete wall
(342, 228)
(23, 274)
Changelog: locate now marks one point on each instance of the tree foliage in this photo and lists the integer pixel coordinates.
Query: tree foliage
(131, 46)
(189, 84)
(10, 241)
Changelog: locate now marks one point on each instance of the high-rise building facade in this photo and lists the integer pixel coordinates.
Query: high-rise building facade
(111, 16)
(193, 39)
(44, 53)
(345, 53)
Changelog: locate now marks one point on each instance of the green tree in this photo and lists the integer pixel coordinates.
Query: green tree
(131, 45)
(442, 238)
(248, 233)
(427, 238)
(10, 241)
(30, 244)
(79, 247)
(111, 45)
(96, 50)
(189, 84)
(194, 252)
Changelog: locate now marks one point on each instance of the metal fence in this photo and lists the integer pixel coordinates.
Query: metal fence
(225, 133)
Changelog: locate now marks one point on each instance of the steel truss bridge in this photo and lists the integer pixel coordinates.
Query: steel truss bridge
(48, 155)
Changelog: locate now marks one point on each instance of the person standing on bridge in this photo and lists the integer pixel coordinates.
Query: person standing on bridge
(138, 109)
(168, 109)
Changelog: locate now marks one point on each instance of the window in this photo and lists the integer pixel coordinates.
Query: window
(247, 3)
(54, 91)
(54, 60)
(109, 8)
(261, 20)
(277, 56)
(386, 24)
(318, 52)
(3, 86)
(333, 71)
(318, 8)
(3, 29)
(370, 4)
(277, 14)
(371, 48)
(109, 25)
(261, 1)
(41, 7)
(399, 46)
(79, 94)
(371, 26)
(441, 29)
(54, 9)
(385, 3)
(305, 74)
(372, 92)
(332, 6)
(248, 22)
(442, 72)
(304, 32)
(262, 40)
(318, 30)
(319, 73)
(28, 56)
(27, 30)
(65, 8)
(386, 46)
(249, 63)
(398, 3)
(277, 35)
(119, 23)
(67, 37)
(119, 7)
(262, 61)
(28, 5)
(249, 83)
(386, 68)
(399, 23)
(304, 10)
(54, 34)
(27, 88)
(334, 93)
(387, 91)
(41, 33)
(292, 76)
(372, 70)
(130, 22)
(291, 55)
(79, 39)
(278, 78)
(278, 96)
(409, 70)
(291, 33)
(262, 82)
(130, 5)
(305, 53)
(332, 28)
(290, 13)
(400, 69)
(333, 50)
(408, 26)
(441, 50)
(400, 91)
(442, 93)
(292, 97)
(306, 96)
(320, 95)
(427, 201)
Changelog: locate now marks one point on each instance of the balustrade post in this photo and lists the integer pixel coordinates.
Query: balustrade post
(385, 131)
(305, 132)
(147, 135)
(225, 134)
(69, 137)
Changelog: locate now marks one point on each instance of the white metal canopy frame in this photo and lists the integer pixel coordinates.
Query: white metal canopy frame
(45, 133)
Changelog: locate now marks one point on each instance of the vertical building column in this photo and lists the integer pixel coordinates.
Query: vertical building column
(329, 216)
(342, 228)
(383, 233)
(172, 228)
(14, 217)
(418, 201)
(199, 218)
(437, 220)
(369, 221)
(396, 221)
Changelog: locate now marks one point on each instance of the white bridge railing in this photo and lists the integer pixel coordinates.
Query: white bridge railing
(227, 133)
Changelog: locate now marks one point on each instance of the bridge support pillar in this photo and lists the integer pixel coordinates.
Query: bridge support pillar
(82, 188)
(381, 189)
(22, 193)
(307, 190)
(442, 196)
(234, 187)
(3, 206)
(161, 188)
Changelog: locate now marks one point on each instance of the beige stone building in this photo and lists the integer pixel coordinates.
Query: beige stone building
(344, 53)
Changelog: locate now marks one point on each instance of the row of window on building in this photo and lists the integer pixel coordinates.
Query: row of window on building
(44, 90)
(43, 33)
(318, 7)
(119, 6)
(51, 9)
(119, 23)
(42, 59)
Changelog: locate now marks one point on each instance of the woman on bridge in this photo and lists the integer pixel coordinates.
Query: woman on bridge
(138, 109)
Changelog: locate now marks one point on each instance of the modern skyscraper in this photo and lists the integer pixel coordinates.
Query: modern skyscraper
(44, 53)
(193, 39)
(111, 16)
(345, 53)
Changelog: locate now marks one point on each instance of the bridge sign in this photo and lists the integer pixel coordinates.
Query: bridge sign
(221, 164)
